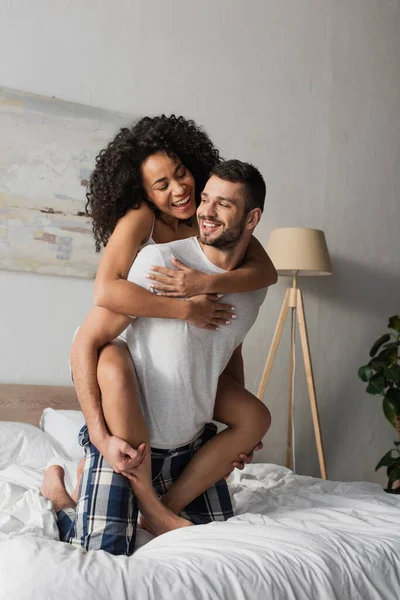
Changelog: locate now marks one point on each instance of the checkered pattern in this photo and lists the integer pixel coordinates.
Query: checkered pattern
(106, 514)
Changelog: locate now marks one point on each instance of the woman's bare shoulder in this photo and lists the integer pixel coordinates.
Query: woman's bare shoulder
(137, 223)
(130, 233)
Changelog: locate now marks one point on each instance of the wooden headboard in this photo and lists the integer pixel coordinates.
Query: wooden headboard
(26, 403)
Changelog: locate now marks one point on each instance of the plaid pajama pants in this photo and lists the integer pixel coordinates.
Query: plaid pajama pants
(106, 514)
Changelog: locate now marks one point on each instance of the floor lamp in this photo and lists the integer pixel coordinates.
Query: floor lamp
(297, 252)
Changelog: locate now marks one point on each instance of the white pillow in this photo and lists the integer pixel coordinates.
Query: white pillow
(25, 445)
(64, 426)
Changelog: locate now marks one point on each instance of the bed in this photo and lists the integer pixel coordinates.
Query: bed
(292, 537)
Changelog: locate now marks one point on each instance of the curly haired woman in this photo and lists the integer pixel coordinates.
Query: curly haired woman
(144, 189)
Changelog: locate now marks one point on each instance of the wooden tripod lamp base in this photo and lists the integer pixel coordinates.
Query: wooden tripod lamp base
(297, 251)
(293, 299)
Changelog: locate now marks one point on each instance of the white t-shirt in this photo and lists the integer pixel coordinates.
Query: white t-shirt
(178, 364)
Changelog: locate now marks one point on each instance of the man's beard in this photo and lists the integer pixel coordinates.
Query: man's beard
(227, 240)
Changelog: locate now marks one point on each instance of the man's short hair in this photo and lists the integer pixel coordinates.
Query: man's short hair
(237, 171)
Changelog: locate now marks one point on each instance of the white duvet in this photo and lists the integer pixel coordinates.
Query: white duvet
(292, 538)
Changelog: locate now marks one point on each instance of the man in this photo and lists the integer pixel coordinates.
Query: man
(178, 369)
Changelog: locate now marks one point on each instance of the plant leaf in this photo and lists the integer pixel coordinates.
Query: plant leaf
(376, 386)
(393, 398)
(392, 345)
(394, 323)
(392, 373)
(389, 412)
(386, 461)
(389, 353)
(365, 373)
(381, 361)
(382, 340)
(393, 472)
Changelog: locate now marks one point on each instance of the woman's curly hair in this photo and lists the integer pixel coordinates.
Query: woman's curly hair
(115, 185)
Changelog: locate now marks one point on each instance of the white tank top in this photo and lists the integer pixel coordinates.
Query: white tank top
(150, 240)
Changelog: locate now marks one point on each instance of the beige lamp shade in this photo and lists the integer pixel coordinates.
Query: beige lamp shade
(299, 250)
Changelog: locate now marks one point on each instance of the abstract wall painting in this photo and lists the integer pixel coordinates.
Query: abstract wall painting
(47, 152)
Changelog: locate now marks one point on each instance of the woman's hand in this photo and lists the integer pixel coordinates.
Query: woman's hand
(182, 282)
(244, 459)
(207, 313)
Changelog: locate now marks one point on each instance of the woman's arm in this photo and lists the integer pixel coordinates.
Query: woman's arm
(114, 292)
(131, 232)
(256, 272)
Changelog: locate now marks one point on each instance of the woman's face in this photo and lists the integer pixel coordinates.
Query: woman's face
(169, 185)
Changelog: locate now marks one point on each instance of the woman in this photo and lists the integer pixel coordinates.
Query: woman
(145, 189)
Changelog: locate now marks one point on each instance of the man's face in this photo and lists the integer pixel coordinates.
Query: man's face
(221, 213)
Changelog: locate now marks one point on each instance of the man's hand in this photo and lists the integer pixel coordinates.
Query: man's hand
(206, 312)
(119, 454)
(244, 459)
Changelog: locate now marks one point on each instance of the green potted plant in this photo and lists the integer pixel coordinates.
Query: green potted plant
(382, 374)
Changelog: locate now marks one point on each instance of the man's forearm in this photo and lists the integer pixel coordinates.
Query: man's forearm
(84, 358)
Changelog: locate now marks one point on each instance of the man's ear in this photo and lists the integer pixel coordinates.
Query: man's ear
(253, 218)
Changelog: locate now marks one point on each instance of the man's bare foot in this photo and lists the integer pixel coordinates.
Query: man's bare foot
(157, 518)
(75, 493)
(53, 488)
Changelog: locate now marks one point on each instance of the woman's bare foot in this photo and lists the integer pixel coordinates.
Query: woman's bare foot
(75, 493)
(53, 488)
(143, 524)
(157, 518)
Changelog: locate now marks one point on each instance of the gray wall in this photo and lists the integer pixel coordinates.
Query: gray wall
(308, 91)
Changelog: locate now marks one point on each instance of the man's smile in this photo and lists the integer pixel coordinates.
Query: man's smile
(208, 225)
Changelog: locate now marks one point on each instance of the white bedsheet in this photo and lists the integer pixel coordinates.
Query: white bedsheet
(292, 538)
